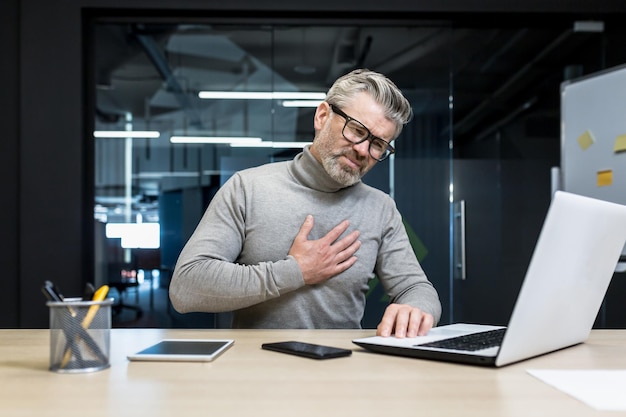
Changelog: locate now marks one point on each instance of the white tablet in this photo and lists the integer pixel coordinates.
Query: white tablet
(183, 350)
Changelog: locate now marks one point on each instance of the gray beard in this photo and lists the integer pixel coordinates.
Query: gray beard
(342, 176)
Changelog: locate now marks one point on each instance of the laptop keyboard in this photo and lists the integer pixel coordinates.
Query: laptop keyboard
(471, 342)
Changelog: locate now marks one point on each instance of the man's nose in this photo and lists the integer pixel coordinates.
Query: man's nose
(362, 148)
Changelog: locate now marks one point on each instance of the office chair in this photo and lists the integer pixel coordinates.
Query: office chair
(122, 277)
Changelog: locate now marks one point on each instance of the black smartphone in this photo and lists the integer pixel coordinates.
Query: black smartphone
(308, 350)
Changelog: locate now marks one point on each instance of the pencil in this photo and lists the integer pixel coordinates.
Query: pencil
(98, 296)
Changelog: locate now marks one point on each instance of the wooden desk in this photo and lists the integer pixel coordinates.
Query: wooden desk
(248, 381)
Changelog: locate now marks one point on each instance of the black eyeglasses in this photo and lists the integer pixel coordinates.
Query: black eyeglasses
(356, 132)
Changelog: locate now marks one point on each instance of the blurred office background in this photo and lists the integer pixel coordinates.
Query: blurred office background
(104, 103)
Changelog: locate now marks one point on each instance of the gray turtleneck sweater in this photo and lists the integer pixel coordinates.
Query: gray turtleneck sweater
(237, 258)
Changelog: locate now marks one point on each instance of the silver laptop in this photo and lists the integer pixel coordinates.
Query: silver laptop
(569, 273)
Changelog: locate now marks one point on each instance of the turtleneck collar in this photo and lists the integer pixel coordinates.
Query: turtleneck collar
(309, 172)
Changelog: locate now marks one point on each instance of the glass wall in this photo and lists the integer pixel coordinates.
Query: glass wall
(169, 132)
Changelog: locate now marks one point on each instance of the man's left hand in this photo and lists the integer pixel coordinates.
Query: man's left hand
(403, 320)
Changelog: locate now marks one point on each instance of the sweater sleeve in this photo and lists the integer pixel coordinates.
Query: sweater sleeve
(399, 271)
(207, 277)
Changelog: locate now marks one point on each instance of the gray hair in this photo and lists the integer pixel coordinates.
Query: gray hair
(380, 88)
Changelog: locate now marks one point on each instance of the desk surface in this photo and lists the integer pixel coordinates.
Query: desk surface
(249, 381)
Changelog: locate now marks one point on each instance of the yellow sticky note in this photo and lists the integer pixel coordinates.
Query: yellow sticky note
(586, 140)
(605, 178)
(620, 144)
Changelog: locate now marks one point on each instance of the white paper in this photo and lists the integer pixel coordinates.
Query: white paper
(600, 389)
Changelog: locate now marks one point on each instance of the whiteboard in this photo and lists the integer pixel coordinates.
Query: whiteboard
(593, 135)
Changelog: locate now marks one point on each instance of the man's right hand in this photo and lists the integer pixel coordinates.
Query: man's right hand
(326, 257)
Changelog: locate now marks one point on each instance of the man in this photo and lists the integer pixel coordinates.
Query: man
(294, 244)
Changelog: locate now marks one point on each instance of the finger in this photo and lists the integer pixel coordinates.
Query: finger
(335, 232)
(348, 253)
(419, 323)
(402, 322)
(305, 229)
(347, 242)
(427, 323)
(342, 266)
(385, 327)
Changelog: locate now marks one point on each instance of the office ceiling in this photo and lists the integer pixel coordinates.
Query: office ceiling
(497, 76)
(492, 73)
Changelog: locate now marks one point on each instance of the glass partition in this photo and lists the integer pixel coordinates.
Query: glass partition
(471, 174)
(184, 86)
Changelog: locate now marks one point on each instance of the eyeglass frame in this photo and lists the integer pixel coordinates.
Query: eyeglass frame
(370, 137)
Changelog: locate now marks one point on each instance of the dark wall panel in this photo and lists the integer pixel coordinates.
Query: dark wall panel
(9, 98)
(51, 159)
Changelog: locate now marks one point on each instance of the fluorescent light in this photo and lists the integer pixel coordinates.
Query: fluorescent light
(589, 26)
(263, 144)
(148, 134)
(301, 103)
(269, 144)
(237, 142)
(214, 139)
(135, 235)
(290, 144)
(262, 95)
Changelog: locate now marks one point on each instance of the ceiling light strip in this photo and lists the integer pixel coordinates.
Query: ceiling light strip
(123, 134)
(215, 139)
(269, 144)
(301, 103)
(261, 95)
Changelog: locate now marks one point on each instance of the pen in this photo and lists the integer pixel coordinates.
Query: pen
(52, 294)
(49, 292)
(88, 292)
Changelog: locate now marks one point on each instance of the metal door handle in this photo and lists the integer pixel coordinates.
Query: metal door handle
(458, 240)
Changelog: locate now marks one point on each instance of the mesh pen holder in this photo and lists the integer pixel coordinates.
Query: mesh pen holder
(80, 335)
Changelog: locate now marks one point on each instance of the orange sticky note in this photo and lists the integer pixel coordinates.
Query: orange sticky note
(605, 178)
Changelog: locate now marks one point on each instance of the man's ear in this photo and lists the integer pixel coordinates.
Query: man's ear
(322, 113)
